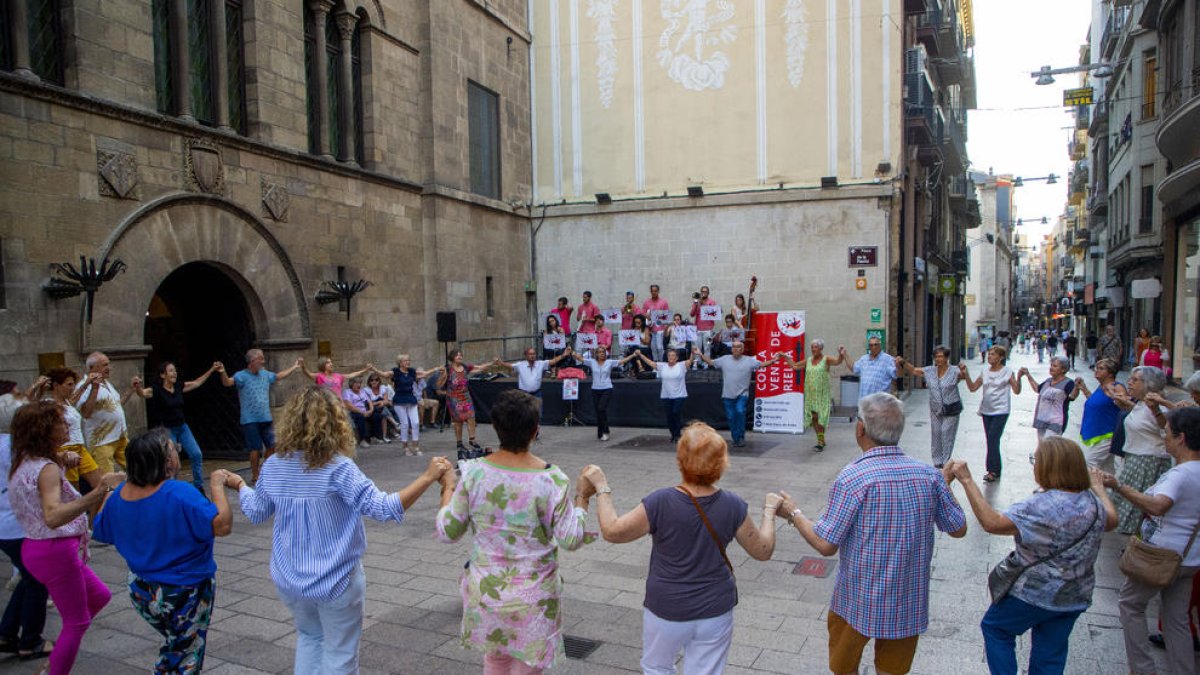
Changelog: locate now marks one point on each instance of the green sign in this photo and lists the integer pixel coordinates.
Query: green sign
(947, 284)
(880, 333)
(876, 315)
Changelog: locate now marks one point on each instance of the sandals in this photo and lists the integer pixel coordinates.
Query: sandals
(990, 477)
(41, 653)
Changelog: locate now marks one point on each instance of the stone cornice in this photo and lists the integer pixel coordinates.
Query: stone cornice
(764, 197)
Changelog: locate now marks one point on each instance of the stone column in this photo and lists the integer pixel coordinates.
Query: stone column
(346, 23)
(19, 36)
(181, 65)
(221, 95)
(320, 10)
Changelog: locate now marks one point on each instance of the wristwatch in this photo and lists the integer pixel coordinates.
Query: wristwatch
(791, 517)
(606, 490)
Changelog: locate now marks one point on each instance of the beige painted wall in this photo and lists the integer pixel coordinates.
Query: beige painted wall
(726, 99)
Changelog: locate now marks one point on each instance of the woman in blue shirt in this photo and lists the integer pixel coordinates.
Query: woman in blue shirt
(165, 530)
(319, 496)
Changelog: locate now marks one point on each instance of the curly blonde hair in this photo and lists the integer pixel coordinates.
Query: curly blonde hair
(315, 423)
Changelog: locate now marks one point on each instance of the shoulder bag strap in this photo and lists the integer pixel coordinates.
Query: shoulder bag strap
(1191, 541)
(708, 524)
(1068, 547)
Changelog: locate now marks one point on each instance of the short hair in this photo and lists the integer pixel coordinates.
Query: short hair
(9, 405)
(322, 361)
(1193, 382)
(588, 293)
(252, 352)
(147, 456)
(1154, 378)
(1000, 351)
(943, 350)
(452, 354)
(563, 298)
(314, 422)
(61, 374)
(882, 417)
(353, 381)
(702, 454)
(33, 430)
(93, 359)
(401, 357)
(655, 287)
(729, 317)
(1113, 367)
(1058, 464)
(1186, 422)
(1062, 361)
(515, 419)
(7, 387)
(817, 342)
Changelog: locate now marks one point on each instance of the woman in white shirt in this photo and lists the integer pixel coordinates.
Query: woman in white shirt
(1146, 457)
(602, 368)
(674, 388)
(997, 381)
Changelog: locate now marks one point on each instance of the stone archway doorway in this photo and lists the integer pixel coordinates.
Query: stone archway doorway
(199, 314)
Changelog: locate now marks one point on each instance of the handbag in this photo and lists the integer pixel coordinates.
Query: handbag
(952, 409)
(716, 540)
(1152, 565)
(1006, 572)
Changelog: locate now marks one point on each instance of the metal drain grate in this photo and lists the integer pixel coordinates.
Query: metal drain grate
(579, 648)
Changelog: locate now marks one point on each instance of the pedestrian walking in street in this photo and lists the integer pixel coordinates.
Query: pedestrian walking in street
(674, 388)
(54, 518)
(818, 395)
(165, 532)
(520, 513)
(1140, 344)
(1111, 347)
(882, 513)
(1046, 582)
(25, 614)
(1091, 341)
(1172, 509)
(875, 369)
(737, 370)
(945, 403)
(1101, 415)
(994, 405)
(1040, 342)
(1055, 394)
(318, 497)
(1070, 347)
(1146, 456)
(690, 587)
(1052, 344)
(167, 396)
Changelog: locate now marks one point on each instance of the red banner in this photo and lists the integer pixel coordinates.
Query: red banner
(779, 390)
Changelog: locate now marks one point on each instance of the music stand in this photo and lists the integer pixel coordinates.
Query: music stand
(570, 420)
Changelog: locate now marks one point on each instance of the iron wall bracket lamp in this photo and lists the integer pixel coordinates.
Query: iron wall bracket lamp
(86, 279)
(1045, 75)
(337, 291)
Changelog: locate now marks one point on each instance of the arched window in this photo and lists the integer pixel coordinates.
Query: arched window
(334, 82)
(31, 39)
(199, 61)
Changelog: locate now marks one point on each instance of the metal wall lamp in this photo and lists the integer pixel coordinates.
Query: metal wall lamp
(86, 279)
(337, 291)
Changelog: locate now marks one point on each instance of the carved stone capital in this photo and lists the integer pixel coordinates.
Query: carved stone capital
(346, 23)
(320, 7)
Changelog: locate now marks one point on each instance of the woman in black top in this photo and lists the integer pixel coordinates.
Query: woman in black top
(167, 396)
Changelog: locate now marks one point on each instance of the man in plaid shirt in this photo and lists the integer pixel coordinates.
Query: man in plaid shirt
(882, 511)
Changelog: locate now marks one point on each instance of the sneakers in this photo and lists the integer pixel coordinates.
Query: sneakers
(820, 447)
(739, 443)
(604, 437)
(364, 444)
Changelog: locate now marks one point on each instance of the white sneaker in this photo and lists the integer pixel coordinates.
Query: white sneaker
(364, 444)
(604, 437)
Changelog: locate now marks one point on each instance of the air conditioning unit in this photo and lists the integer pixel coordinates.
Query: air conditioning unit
(915, 59)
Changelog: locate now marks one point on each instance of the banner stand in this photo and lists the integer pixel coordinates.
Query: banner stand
(779, 390)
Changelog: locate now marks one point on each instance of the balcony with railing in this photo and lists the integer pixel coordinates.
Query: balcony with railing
(954, 140)
(924, 121)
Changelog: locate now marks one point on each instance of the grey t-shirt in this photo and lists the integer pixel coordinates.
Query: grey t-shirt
(736, 374)
(688, 578)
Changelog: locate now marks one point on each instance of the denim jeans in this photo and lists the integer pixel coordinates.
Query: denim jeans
(735, 410)
(1011, 617)
(183, 436)
(328, 633)
(26, 611)
(673, 408)
(993, 429)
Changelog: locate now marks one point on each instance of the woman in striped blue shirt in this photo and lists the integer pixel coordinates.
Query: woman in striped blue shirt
(318, 496)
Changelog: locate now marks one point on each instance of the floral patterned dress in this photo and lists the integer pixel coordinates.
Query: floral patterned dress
(458, 395)
(511, 588)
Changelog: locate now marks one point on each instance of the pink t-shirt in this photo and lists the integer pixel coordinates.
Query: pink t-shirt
(604, 338)
(627, 316)
(564, 317)
(334, 382)
(702, 324)
(586, 312)
(652, 304)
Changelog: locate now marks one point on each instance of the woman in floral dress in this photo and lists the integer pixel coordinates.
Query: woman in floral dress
(458, 401)
(520, 512)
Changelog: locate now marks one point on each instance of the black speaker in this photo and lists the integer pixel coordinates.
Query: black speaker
(447, 327)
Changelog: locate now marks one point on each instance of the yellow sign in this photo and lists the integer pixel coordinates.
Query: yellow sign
(969, 299)
(860, 283)
(1074, 97)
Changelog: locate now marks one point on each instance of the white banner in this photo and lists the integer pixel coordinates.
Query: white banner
(554, 341)
(778, 390)
(612, 315)
(710, 312)
(631, 338)
(585, 341)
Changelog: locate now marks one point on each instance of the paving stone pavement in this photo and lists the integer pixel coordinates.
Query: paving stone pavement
(413, 610)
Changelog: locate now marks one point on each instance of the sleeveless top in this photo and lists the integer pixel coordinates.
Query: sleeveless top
(27, 503)
(403, 382)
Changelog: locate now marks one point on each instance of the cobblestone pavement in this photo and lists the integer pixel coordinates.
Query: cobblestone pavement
(412, 610)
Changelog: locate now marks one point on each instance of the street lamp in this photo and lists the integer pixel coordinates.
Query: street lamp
(1050, 180)
(1046, 74)
(1044, 221)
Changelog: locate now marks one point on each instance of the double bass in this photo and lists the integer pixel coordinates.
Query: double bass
(748, 318)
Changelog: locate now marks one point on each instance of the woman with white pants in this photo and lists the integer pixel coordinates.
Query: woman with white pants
(405, 381)
(690, 588)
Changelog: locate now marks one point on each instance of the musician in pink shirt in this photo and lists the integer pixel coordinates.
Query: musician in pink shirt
(604, 336)
(630, 310)
(655, 303)
(587, 313)
(563, 312)
(704, 327)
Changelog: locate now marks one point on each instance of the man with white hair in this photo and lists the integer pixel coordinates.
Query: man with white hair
(103, 411)
(882, 512)
(254, 397)
(736, 371)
